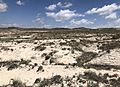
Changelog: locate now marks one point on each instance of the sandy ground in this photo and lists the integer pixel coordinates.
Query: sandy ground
(63, 55)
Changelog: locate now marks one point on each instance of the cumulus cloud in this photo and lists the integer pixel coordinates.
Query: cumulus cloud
(81, 22)
(112, 16)
(107, 9)
(51, 7)
(64, 5)
(19, 2)
(3, 7)
(63, 15)
(59, 4)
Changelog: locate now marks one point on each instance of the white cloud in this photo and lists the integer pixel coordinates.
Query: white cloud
(39, 20)
(63, 15)
(112, 16)
(117, 21)
(109, 24)
(107, 9)
(64, 5)
(19, 2)
(59, 4)
(81, 22)
(9, 25)
(3, 7)
(51, 7)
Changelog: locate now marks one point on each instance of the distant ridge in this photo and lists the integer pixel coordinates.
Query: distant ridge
(79, 28)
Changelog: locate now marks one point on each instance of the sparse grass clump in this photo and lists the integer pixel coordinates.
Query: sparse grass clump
(5, 48)
(40, 68)
(45, 82)
(85, 57)
(26, 62)
(93, 76)
(12, 66)
(44, 54)
(39, 48)
(48, 82)
(102, 66)
(57, 79)
(17, 83)
(110, 46)
(63, 44)
(116, 36)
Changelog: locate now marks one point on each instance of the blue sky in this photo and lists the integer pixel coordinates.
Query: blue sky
(60, 13)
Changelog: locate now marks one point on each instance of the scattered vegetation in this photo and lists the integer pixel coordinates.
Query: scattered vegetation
(18, 83)
(85, 57)
(108, 39)
(102, 66)
(39, 48)
(116, 36)
(48, 82)
(14, 64)
(110, 46)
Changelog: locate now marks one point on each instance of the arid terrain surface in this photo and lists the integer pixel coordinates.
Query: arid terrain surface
(60, 58)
